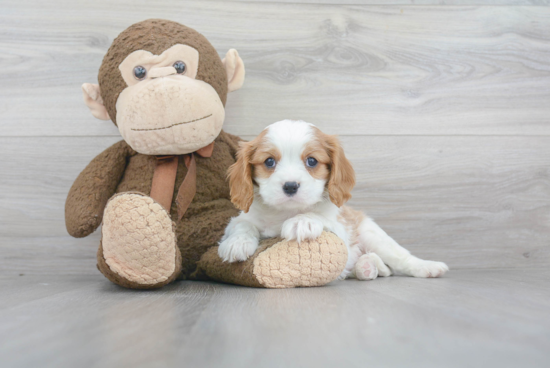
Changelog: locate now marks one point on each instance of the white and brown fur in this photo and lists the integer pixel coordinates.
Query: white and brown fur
(317, 205)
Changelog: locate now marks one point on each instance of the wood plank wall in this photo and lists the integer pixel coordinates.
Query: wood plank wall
(443, 108)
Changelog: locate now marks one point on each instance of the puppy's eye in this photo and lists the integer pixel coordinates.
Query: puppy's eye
(311, 162)
(179, 66)
(270, 163)
(140, 72)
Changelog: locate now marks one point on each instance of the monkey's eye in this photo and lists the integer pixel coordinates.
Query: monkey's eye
(180, 67)
(311, 162)
(140, 72)
(270, 163)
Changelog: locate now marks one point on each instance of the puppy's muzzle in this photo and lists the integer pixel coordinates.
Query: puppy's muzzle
(290, 188)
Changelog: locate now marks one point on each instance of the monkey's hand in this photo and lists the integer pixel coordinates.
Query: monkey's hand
(93, 188)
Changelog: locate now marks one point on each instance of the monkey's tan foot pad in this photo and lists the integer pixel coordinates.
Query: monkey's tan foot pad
(138, 247)
(282, 264)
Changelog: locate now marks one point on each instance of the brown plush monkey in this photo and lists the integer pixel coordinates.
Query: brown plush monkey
(161, 193)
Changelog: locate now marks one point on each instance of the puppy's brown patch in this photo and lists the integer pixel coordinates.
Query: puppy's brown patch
(351, 219)
(241, 175)
(316, 149)
(263, 151)
(341, 176)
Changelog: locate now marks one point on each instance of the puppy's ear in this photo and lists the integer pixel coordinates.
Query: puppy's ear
(342, 176)
(240, 177)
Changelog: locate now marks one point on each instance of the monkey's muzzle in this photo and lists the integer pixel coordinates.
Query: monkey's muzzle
(171, 115)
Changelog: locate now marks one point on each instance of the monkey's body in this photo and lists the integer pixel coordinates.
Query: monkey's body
(206, 218)
(169, 111)
(204, 221)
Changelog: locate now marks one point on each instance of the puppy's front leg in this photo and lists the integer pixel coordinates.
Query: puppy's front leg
(239, 242)
(302, 227)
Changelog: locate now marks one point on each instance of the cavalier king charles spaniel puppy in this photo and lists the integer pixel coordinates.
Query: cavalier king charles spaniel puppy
(292, 181)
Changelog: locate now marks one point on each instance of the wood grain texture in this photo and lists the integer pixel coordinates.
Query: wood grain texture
(371, 70)
(470, 318)
(409, 2)
(443, 109)
(469, 201)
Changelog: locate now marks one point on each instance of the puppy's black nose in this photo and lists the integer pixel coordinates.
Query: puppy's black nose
(290, 188)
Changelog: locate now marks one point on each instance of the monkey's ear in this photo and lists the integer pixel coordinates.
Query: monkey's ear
(234, 67)
(92, 99)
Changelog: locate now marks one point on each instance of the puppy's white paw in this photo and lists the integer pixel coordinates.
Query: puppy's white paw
(366, 268)
(422, 268)
(301, 227)
(237, 248)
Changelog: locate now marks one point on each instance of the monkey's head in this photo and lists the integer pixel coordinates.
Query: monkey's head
(164, 86)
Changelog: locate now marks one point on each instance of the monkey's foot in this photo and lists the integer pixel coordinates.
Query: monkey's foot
(138, 248)
(282, 264)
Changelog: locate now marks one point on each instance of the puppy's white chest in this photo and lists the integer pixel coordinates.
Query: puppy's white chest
(272, 225)
(270, 233)
(272, 229)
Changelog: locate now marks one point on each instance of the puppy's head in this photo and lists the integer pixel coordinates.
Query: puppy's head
(294, 165)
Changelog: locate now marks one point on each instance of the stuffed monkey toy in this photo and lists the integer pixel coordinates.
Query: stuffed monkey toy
(161, 194)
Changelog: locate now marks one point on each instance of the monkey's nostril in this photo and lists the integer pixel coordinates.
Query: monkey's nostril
(290, 188)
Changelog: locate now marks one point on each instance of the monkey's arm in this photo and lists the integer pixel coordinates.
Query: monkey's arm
(93, 188)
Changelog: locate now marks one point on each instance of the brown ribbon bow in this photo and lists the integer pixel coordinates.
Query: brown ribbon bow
(164, 180)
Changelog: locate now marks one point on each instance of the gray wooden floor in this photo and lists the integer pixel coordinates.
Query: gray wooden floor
(443, 107)
(472, 318)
